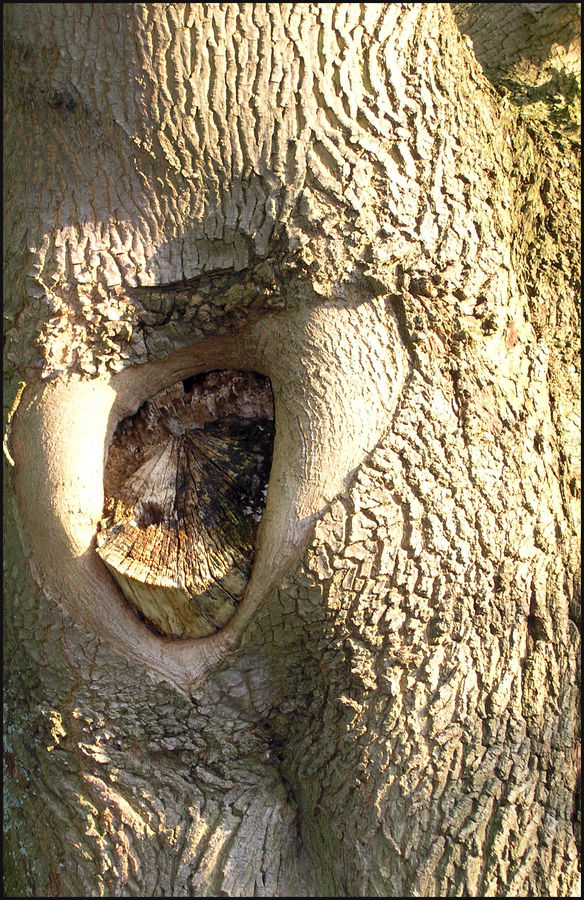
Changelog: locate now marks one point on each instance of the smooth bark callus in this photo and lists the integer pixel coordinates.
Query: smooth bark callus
(335, 373)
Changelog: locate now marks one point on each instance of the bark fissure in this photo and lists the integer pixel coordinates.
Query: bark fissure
(337, 198)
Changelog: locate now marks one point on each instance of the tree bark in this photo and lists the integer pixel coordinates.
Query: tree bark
(334, 196)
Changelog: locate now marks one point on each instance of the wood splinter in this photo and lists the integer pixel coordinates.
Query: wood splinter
(185, 486)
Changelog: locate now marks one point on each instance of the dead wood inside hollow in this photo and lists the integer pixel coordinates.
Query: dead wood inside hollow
(185, 486)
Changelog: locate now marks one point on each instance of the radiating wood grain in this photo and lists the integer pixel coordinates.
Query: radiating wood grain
(185, 492)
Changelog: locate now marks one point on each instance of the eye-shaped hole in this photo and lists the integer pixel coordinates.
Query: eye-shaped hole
(185, 485)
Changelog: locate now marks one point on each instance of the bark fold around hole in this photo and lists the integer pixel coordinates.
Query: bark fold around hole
(336, 372)
(185, 486)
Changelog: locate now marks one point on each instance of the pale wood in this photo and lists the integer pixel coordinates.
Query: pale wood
(335, 196)
(185, 488)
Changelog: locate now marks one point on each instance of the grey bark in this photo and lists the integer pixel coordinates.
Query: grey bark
(335, 196)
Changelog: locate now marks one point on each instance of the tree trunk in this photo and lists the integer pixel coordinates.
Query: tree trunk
(336, 197)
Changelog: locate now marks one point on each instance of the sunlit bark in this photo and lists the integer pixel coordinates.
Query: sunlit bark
(336, 197)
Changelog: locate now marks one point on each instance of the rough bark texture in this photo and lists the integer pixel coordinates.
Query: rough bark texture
(334, 196)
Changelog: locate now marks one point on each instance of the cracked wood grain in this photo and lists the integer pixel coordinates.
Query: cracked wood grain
(64, 430)
(185, 491)
(400, 717)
